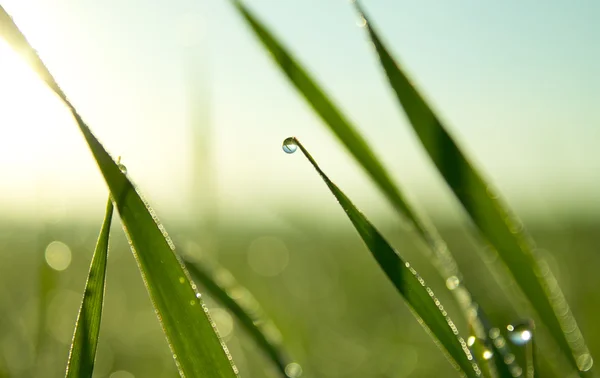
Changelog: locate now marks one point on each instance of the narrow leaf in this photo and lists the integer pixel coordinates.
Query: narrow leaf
(347, 133)
(410, 285)
(237, 299)
(196, 346)
(489, 213)
(85, 338)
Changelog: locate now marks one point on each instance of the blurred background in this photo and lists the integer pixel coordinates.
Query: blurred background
(185, 94)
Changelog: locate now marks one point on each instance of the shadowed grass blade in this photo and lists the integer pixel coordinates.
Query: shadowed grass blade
(85, 338)
(196, 346)
(244, 307)
(409, 284)
(489, 213)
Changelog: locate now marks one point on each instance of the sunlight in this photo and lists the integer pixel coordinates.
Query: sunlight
(36, 129)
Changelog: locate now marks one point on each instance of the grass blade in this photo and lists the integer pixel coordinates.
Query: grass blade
(85, 338)
(253, 320)
(409, 284)
(440, 255)
(489, 213)
(196, 346)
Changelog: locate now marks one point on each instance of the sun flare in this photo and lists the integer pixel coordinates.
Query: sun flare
(34, 125)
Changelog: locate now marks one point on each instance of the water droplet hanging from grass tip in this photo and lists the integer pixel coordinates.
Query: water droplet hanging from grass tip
(289, 145)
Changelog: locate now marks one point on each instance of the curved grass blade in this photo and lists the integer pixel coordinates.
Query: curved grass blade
(87, 327)
(409, 284)
(196, 346)
(244, 307)
(489, 213)
(440, 255)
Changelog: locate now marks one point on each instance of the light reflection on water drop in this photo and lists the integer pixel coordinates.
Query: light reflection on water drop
(585, 362)
(487, 354)
(520, 334)
(293, 370)
(289, 145)
(452, 282)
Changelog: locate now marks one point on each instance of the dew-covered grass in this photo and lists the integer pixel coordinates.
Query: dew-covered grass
(259, 301)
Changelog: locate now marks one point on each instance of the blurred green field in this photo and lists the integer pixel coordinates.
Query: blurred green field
(338, 314)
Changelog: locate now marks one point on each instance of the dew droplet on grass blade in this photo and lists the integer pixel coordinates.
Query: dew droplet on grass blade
(520, 333)
(487, 354)
(452, 282)
(289, 145)
(293, 370)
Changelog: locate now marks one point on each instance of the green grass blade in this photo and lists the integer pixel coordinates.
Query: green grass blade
(409, 284)
(253, 320)
(196, 346)
(85, 338)
(440, 255)
(489, 213)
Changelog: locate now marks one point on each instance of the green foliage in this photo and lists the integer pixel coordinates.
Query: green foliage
(252, 319)
(489, 212)
(87, 327)
(410, 285)
(196, 347)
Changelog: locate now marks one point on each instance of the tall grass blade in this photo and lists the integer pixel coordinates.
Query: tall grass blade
(196, 346)
(87, 328)
(489, 212)
(409, 284)
(440, 255)
(237, 299)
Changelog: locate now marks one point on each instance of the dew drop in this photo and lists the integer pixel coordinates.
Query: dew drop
(123, 168)
(198, 295)
(289, 145)
(193, 302)
(471, 341)
(361, 22)
(487, 354)
(181, 280)
(516, 371)
(585, 362)
(452, 282)
(520, 334)
(293, 370)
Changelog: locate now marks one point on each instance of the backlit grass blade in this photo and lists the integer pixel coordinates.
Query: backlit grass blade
(237, 300)
(489, 213)
(440, 255)
(85, 338)
(197, 349)
(409, 284)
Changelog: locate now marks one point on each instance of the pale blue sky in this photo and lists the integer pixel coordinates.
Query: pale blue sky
(518, 83)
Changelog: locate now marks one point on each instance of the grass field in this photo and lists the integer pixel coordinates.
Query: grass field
(320, 296)
(336, 312)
